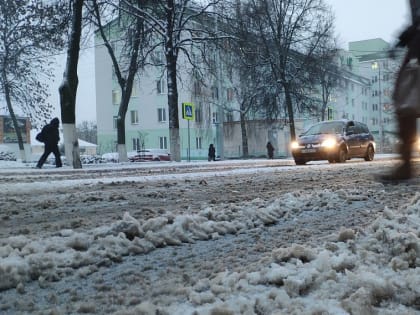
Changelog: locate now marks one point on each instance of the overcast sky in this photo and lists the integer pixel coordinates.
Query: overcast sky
(355, 20)
(366, 19)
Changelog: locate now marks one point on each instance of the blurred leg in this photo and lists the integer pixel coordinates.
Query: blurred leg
(43, 157)
(408, 133)
(56, 153)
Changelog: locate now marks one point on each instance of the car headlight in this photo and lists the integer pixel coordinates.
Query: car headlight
(294, 145)
(329, 143)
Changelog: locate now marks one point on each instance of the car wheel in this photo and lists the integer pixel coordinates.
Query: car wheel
(370, 153)
(342, 155)
(300, 162)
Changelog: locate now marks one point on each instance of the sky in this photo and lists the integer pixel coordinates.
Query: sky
(366, 19)
(354, 19)
(86, 98)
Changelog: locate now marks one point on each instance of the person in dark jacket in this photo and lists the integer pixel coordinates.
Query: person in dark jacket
(212, 153)
(270, 150)
(406, 101)
(50, 137)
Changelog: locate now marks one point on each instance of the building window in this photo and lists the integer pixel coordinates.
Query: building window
(161, 86)
(215, 118)
(215, 93)
(115, 122)
(229, 94)
(136, 144)
(198, 115)
(116, 97)
(135, 90)
(198, 143)
(163, 142)
(161, 114)
(229, 117)
(197, 88)
(134, 117)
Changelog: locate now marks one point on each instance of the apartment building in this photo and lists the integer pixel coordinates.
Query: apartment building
(373, 103)
(363, 94)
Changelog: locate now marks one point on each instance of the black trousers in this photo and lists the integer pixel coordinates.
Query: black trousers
(47, 151)
(407, 132)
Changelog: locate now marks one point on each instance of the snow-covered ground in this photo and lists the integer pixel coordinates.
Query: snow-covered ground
(232, 237)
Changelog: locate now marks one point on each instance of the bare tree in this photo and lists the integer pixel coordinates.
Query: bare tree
(28, 29)
(289, 31)
(87, 130)
(241, 56)
(68, 88)
(180, 25)
(132, 56)
(328, 74)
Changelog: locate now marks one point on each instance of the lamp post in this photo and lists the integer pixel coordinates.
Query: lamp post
(375, 66)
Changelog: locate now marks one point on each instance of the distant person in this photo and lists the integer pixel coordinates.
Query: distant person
(212, 153)
(270, 150)
(406, 94)
(50, 136)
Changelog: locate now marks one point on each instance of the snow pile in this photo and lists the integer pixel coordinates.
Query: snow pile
(356, 273)
(6, 154)
(50, 259)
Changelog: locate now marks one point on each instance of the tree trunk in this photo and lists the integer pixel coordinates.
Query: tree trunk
(68, 90)
(121, 147)
(14, 120)
(175, 147)
(245, 152)
(289, 106)
(324, 101)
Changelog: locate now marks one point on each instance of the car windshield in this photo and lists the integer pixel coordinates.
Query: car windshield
(328, 127)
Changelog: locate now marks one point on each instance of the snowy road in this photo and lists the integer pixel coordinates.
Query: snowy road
(210, 238)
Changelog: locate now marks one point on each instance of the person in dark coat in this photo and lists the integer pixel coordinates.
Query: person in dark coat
(406, 100)
(212, 153)
(270, 150)
(50, 137)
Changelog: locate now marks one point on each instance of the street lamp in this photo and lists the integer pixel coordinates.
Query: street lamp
(375, 65)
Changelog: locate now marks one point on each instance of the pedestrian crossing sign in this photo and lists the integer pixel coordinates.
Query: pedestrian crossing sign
(188, 111)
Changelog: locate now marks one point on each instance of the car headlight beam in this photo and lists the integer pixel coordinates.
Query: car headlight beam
(329, 143)
(294, 145)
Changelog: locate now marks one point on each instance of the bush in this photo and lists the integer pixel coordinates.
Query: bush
(6, 154)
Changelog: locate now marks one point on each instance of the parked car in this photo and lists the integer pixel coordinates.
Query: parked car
(335, 141)
(151, 155)
(110, 157)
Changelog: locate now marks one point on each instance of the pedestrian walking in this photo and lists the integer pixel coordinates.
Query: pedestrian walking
(212, 153)
(50, 136)
(406, 94)
(270, 150)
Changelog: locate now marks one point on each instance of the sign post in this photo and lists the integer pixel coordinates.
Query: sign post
(188, 114)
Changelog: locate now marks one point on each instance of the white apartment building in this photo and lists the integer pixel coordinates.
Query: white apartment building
(363, 94)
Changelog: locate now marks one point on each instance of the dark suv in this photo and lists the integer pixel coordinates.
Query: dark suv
(335, 141)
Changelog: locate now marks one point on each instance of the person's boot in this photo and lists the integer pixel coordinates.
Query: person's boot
(407, 132)
(402, 172)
